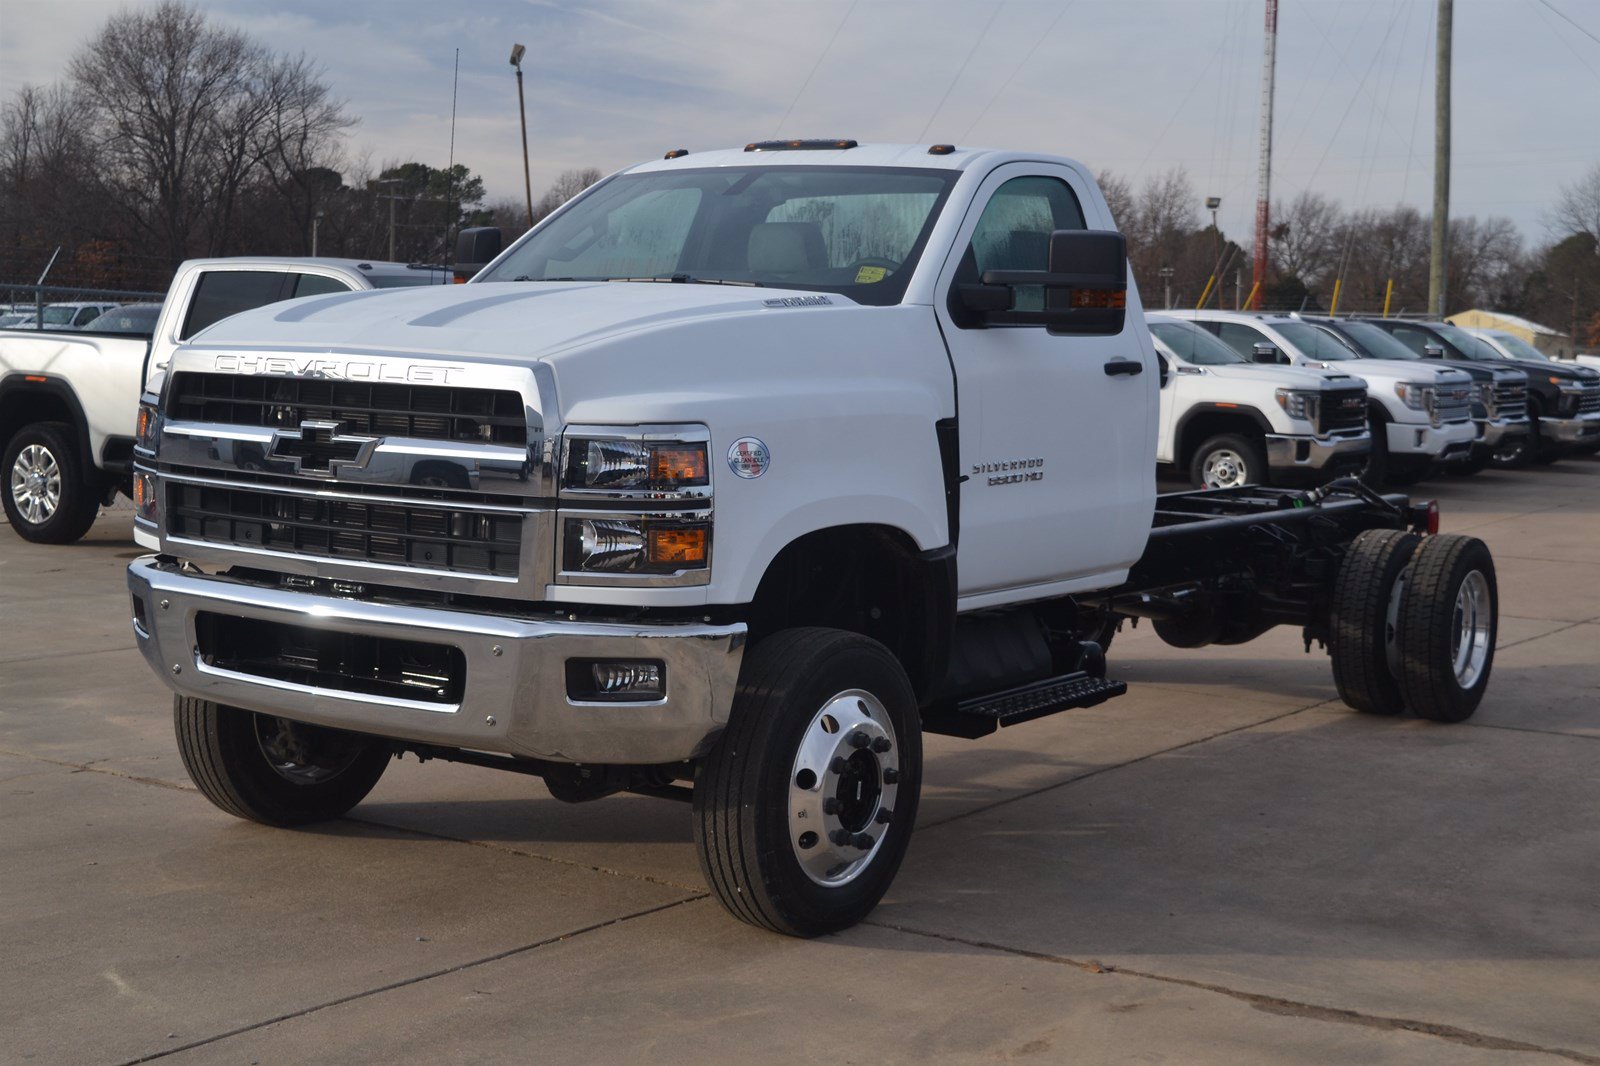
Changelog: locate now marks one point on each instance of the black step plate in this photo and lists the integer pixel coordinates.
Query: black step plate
(981, 715)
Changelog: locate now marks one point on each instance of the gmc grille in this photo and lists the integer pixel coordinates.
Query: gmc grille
(430, 412)
(1510, 400)
(1342, 409)
(418, 536)
(1453, 403)
(1589, 402)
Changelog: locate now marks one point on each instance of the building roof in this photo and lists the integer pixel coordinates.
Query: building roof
(1514, 321)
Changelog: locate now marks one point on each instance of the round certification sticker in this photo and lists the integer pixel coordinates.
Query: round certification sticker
(748, 457)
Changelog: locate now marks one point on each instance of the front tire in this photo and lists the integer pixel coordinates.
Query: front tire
(1228, 461)
(804, 808)
(1448, 623)
(270, 770)
(46, 494)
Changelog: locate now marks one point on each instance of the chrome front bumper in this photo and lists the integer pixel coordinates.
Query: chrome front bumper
(1452, 440)
(1290, 452)
(1491, 434)
(514, 697)
(1580, 430)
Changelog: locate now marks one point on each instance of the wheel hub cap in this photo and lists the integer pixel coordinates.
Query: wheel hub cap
(1469, 630)
(36, 483)
(842, 788)
(1224, 469)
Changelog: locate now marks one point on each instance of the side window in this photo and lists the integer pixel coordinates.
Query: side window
(220, 293)
(1242, 339)
(1013, 233)
(1414, 339)
(317, 285)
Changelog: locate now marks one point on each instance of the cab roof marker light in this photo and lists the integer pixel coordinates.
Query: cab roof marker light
(941, 149)
(801, 145)
(676, 153)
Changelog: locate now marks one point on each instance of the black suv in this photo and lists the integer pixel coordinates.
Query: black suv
(1563, 401)
(1499, 393)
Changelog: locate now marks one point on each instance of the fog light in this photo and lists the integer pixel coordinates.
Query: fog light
(618, 680)
(144, 497)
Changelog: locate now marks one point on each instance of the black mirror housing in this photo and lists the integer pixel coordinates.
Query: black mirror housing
(1085, 289)
(1432, 351)
(475, 247)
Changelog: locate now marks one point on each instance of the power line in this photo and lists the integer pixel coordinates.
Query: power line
(1569, 18)
(814, 67)
(1017, 69)
(962, 69)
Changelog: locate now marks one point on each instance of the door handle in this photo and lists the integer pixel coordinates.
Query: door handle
(1125, 367)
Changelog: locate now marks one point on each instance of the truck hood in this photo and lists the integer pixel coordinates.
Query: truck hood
(1564, 371)
(1286, 377)
(1391, 370)
(499, 322)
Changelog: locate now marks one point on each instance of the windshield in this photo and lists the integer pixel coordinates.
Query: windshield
(1471, 347)
(1376, 343)
(1519, 348)
(1194, 345)
(1314, 343)
(853, 230)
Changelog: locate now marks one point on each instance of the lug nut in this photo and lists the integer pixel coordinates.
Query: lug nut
(862, 841)
(830, 805)
(838, 765)
(841, 837)
(883, 815)
(881, 745)
(891, 776)
(858, 739)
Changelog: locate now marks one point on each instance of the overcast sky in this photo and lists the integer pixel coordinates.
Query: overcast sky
(1136, 86)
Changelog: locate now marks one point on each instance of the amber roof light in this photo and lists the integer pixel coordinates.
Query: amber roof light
(815, 145)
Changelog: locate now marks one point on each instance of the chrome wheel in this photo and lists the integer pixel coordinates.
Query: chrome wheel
(842, 788)
(303, 754)
(1225, 469)
(1469, 629)
(36, 483)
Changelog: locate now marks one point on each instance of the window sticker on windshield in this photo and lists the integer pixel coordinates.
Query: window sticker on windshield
(869, 274)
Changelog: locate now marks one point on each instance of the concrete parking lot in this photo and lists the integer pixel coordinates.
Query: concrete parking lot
(1224, 866)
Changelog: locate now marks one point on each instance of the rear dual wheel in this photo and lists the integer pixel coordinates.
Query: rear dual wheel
(1413, 624)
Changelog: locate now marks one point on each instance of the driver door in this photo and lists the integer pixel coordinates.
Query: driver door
(1057, 453)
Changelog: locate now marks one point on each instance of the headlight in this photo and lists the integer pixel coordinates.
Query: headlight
(1417, 395)
(144, 497)
(636, 544)
(664, 461)
(1298, 405)
(148, 427)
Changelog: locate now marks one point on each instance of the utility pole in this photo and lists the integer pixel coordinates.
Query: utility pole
(1166, 279)
(517, 52)
(1438, 260)
(1258, 267)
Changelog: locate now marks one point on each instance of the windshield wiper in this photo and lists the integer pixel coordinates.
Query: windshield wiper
(686, 279)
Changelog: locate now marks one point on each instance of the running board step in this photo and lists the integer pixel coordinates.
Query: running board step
(982, 715)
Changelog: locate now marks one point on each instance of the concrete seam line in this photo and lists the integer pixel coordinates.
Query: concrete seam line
(1097, 771)
(91, 768)
(1269, 1004)
(418, 979)
(1526, 729)
(1541, 636)
(64, 654)
(502, 848)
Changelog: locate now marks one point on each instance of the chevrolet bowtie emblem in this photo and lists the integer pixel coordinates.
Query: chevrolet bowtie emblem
(321, 448)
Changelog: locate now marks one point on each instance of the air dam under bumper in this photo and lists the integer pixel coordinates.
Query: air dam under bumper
(1286, 452)
(1453, 440)
(512, 697)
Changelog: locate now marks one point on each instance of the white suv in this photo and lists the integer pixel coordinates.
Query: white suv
(1420, 415)
(1228, 421)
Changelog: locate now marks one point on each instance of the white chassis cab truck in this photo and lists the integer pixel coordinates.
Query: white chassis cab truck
(68, 399)
(1420, 416)
(1227, 421)
(726, 483)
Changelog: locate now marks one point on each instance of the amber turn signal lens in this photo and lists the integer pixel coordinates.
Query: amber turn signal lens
(1099, 298)
(686, 547)
(681, 466)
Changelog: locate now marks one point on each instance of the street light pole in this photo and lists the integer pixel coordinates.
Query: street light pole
(517, 51)
(1166, 280)
(392, 198)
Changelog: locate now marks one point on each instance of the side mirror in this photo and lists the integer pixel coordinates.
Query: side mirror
(475, 247)
(1085, 289)
(1265, 353)
(1166, 369)
(1432, 351)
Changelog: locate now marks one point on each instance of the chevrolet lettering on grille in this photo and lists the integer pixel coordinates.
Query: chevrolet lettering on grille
(321, 448)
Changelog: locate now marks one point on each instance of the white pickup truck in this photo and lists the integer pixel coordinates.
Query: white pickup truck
(68, 399)
(1228, 421)
(726, 483)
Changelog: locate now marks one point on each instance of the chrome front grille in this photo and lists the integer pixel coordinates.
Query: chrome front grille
(1341, 409)
(416, 535)
(1589, 402)
(426, 412)
(1510, 401)
(1453, 403)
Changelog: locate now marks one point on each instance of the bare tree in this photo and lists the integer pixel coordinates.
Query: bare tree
(1577, 209)
(1308, 238)
(1119, 197)
(567, 185)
